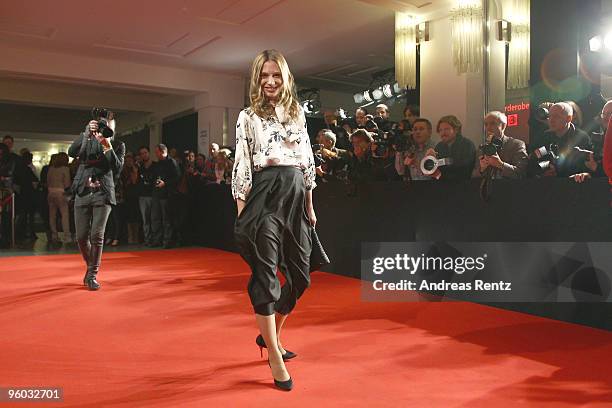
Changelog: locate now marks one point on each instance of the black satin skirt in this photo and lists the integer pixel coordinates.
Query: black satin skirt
(273, 233)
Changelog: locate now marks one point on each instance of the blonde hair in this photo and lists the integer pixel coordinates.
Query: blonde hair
(288, 95)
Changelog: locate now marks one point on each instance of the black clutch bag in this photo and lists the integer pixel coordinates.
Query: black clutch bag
(318, 257)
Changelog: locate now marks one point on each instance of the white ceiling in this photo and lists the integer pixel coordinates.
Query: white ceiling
(333, 44)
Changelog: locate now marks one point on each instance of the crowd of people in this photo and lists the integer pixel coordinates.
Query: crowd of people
(155, 198)
(371, 147)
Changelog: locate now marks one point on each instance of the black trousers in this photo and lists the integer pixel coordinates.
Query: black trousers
(272, 232)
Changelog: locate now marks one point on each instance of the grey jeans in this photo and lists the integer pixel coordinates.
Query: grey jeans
(90, 223)
(161, 231)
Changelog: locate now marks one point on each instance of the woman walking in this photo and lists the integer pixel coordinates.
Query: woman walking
(272, 181)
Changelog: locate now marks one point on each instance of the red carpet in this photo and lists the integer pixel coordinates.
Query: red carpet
(175, 328)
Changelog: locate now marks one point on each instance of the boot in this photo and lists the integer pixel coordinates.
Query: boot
(85, 247)
(95, 257)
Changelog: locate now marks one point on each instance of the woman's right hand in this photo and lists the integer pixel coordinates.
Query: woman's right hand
(93, 126)
(240, 204)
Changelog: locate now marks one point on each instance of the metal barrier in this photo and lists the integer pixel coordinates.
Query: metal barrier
(7, 198)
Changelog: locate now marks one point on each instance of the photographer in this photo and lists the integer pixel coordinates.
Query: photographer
(382, 151)
(146, 181)
(361, 118)
(334, 160)
(361, 165)
(382, 118)
(502, 156)
(167, 175)
(562, 151)
(408, 162)
(331, 122)
(94, 187)
(460, 150)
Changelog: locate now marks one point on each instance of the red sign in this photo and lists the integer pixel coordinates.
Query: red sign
(513, 120)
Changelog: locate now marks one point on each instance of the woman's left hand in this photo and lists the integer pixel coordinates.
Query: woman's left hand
(311, 216)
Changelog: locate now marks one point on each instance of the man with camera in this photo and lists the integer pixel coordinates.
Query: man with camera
(333, 160)
(361, 117)
(457, 151)
(382, 152)
(502, 156)
(563, 150)
(331, 123)
(167, 175)
(361, 165)
(382, 118)
(146, 181)
(408, 160)
(100, 163)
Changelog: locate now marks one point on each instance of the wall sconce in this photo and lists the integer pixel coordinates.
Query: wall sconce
(422, 32)
(466, 31)
(405, 50)
(518, 28)
(504, 31)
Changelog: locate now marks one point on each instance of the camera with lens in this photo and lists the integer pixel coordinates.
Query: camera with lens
(383, 124)
(318, 155)
(546, 156)
(383, 143)
(401, 140)
(491, 148)
(541, 113)
(371, 126)
(103, 116)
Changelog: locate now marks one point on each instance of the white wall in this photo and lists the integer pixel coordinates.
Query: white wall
(443, 91)
(176, 89)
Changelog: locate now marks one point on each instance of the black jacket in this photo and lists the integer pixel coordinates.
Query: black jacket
(168, 171)
(463, 153)
(96, 164)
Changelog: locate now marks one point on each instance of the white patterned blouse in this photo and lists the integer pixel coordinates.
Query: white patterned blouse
(273, 141)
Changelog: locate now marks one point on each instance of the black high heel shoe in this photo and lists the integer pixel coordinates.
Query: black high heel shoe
(262, 345)
(283, 385)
